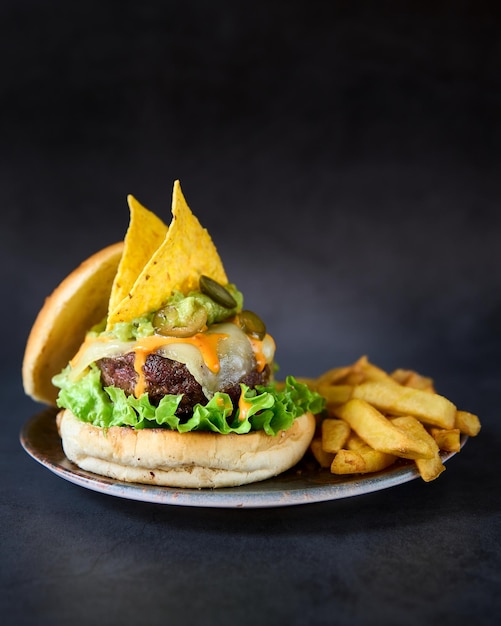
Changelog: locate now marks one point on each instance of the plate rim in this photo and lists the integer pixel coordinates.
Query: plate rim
(255, 495)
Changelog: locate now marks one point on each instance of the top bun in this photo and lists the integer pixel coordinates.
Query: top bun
(77, 304)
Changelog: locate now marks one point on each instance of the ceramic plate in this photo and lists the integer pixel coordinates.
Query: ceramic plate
(304, 484)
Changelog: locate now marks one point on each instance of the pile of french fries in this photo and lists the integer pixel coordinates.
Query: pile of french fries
(373, 418)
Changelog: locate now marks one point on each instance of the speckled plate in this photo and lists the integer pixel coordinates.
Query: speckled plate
(304, 484)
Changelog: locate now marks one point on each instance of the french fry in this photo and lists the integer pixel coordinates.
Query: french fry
(429, 469)
(323, 458)
(335, 433)
(393, 398)
(400, 376)
(468, 423)
(335, 394)
(409, 378)
(368, 370)
(387, 416)
(334, 376)
(348, 462)
(379, 432)
(358, 457)
(374, 459)
(448, 440)
(354, 378)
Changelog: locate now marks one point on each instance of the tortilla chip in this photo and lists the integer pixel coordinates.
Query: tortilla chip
(186, 253)
(145, 234)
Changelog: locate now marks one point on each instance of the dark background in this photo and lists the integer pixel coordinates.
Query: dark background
(345, 158)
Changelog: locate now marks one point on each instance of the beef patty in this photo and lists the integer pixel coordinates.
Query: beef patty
(164, 376)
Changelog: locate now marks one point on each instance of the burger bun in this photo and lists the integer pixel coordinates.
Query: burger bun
(157, 456)
(78, 303)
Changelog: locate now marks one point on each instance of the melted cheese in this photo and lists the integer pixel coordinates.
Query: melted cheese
(93, 349)
(217, 358)
(264, 351)
(206, 344)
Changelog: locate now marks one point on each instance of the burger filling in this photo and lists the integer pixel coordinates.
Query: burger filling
(165, 376)
(196, 364)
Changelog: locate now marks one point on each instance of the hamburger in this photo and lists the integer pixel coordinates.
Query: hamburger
(159, 373)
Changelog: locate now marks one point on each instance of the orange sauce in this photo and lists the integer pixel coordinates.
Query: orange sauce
(257, 348)
(244, 406)
(206, 343)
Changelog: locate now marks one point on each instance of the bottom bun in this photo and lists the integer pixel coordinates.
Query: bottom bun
(193, 460)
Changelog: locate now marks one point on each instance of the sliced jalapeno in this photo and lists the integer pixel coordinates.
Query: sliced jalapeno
(252, 324)
(166, 322)
(217, 292)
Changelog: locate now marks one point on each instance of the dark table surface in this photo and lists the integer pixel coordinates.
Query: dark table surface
(346, 161)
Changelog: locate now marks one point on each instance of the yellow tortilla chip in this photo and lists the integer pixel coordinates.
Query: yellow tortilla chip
(144, 236)
(186, 253)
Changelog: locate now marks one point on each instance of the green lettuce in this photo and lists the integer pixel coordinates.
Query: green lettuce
(268, 408)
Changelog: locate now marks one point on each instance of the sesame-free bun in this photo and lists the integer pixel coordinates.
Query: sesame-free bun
(196, 459)
(79, 302)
